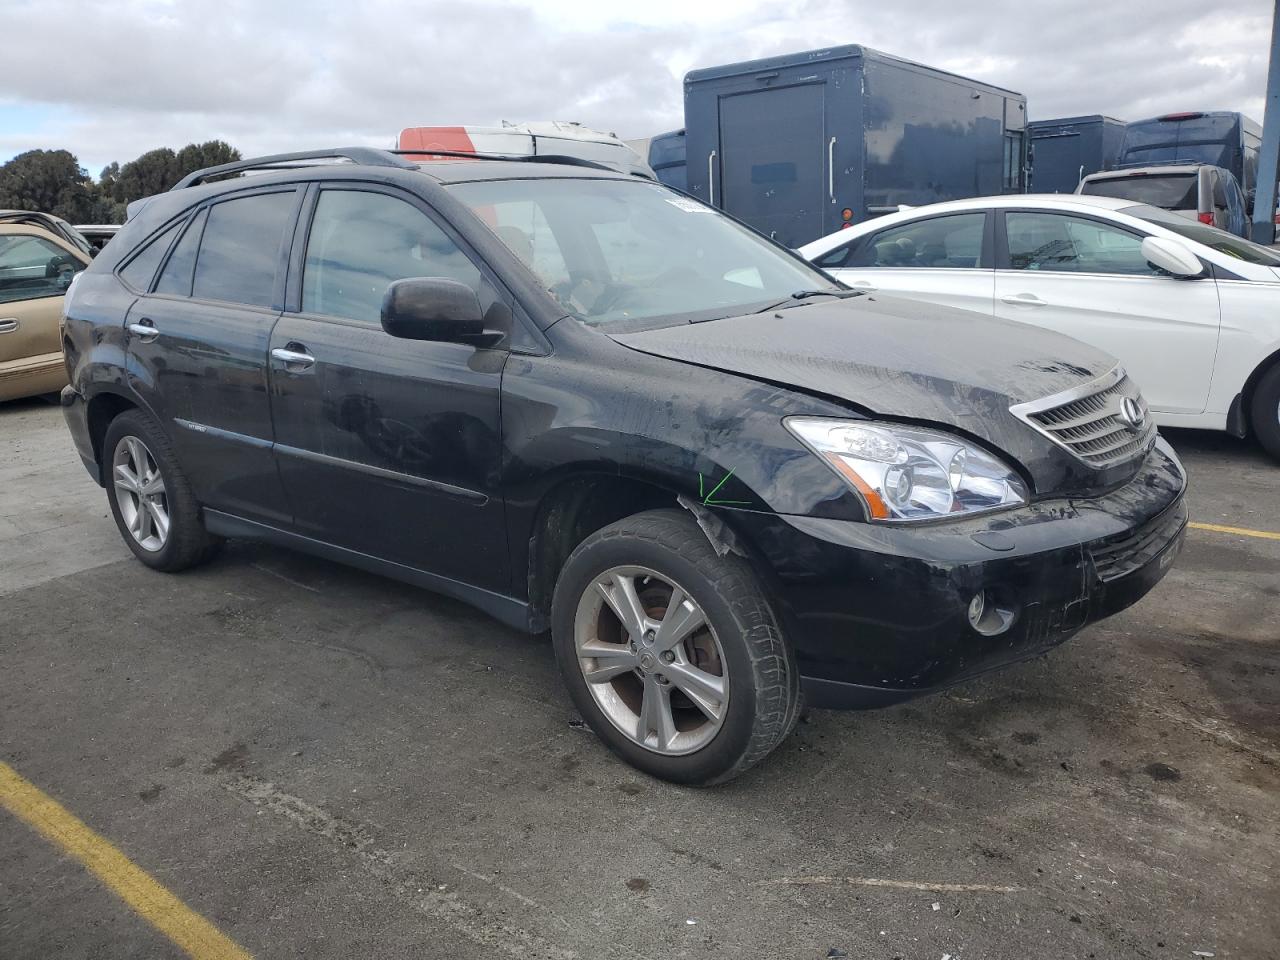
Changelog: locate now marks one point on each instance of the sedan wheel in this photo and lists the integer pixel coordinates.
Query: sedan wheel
(140, 494)
(651, 660)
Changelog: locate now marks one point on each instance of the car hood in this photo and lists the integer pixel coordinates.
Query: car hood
(908, 360)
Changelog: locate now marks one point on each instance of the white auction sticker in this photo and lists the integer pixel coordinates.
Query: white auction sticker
(688, 206)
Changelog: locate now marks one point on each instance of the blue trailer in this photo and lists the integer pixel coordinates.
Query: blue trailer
(666, 156)
(798, 145)
(1222, 139)
(1064, 151)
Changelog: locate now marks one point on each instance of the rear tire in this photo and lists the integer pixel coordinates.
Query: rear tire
(150, 497)
(1264, 411)
(702, 684)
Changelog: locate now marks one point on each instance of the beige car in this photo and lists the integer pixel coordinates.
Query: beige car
(36, 268)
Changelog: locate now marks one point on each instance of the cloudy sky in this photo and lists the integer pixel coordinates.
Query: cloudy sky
(111, 80)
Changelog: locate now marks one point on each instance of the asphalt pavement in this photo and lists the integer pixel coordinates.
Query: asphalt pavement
(322, 763)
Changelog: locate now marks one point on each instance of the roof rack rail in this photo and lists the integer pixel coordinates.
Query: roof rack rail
(568, 161)
(370, 156)
(1186, 162)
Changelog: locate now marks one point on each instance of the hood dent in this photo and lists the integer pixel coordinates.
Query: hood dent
(911, 361)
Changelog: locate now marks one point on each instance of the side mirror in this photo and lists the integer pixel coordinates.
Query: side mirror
(433, 308)
(1172, 257)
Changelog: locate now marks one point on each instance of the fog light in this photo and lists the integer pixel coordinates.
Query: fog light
(977, 607)
(986, 617)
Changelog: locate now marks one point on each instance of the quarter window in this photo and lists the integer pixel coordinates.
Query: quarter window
(175, 278)
(1063, 244)
(142, 268)
(361, 242)
(938, 243)
(32, 267)
(240, 250)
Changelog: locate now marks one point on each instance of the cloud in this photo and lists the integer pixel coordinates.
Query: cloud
(113, 80)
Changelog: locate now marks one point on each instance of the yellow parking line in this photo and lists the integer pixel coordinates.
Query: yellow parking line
(187, 929)
(1240, 531)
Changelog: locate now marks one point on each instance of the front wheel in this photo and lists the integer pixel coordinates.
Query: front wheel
(1264, 414)
(670, 651)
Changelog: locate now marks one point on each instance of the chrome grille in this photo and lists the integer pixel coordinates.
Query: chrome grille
(1089, 420)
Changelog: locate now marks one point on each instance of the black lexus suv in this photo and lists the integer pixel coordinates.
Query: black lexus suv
(587, 403)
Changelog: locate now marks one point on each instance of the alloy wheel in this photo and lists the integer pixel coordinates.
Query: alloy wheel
(652, 661)
(140, 494)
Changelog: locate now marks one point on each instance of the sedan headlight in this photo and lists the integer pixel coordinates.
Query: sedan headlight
(909, 473)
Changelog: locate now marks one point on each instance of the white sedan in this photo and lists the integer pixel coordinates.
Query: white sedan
(1192, 312)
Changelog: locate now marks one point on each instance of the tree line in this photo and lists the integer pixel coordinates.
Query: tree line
(52, 181)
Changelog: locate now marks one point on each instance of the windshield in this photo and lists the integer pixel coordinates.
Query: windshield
(611, 251)
(1172, 192)
(76, 237)
(1204, 139)
(1211, 237)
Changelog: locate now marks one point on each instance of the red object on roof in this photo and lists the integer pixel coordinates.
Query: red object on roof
(455, 139)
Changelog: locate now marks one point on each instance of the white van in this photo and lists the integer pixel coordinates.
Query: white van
(552, 138)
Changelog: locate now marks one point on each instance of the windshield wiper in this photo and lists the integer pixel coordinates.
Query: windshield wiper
(800, 296)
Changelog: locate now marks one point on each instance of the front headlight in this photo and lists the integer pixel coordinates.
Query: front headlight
(909, 473)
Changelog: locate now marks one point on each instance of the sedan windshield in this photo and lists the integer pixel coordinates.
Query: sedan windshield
(612, 251)
(1211, 237)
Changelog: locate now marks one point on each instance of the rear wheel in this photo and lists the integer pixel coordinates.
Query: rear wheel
(151, 500)
(670, 651)
(1264, 413)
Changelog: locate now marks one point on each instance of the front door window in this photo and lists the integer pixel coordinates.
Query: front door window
(1065, 244)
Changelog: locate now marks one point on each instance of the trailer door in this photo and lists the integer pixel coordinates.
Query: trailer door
(773, 161)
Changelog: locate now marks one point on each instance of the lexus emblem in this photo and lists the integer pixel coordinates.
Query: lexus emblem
(1131, 414)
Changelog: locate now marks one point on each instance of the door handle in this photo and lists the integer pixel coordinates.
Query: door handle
(144, 330)
(831, 170)
(8, 324)
(711, 179)
(1024, 299)
(297, 359)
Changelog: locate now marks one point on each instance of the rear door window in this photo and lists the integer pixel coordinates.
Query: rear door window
(240, 250)
(938, 243)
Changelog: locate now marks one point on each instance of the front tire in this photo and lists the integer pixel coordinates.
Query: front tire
(670, 651)
(1264, 413)
(150, 497)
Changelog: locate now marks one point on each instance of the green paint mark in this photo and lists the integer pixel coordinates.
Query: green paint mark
(709, 498)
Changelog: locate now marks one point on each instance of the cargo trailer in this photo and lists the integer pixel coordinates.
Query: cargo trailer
(1063, 152)
(798, 145)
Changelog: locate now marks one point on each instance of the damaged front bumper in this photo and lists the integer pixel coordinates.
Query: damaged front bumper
(881, 613)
